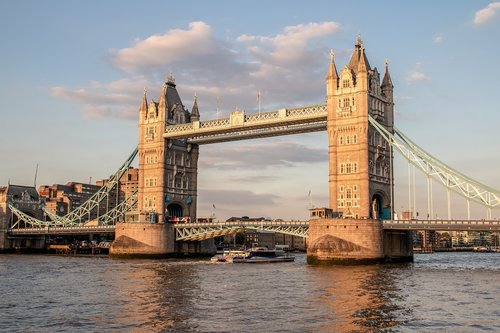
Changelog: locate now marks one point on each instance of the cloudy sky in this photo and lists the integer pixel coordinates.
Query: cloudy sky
(73, 73)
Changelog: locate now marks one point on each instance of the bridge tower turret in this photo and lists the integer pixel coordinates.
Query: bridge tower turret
(167, 168)
(360, 160)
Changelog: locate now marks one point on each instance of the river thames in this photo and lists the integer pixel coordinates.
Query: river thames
(441, 292)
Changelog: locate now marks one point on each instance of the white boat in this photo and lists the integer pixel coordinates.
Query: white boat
(263, 255)
(228, 255)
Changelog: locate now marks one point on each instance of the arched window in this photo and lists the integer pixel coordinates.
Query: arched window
(347, 139)
(348, 193)
(341, 140)
(354, 139)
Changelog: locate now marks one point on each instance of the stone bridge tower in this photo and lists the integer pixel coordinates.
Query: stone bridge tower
(361, 178)
(360, 175)
(168, 169)
(168, 172)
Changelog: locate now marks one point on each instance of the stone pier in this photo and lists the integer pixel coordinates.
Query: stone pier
(154, 240)
(355, 241)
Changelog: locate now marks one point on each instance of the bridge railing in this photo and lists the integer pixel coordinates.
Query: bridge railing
(455, 225)
(240, 224)
(63, 230)
(239, 120)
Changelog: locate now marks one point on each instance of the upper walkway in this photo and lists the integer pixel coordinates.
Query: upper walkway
(242, 127)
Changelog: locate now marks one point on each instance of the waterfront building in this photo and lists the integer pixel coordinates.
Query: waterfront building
(62, 199)
(128, 183)
(24, 198)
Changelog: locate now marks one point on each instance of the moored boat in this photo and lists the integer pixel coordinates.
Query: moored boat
(263, 255)
(228, 255)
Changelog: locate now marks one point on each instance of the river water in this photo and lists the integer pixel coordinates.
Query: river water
(441, 292)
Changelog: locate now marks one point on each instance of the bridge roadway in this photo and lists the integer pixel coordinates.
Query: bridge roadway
(76, 230)
(199, 231)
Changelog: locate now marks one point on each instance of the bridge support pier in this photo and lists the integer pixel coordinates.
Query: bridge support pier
(356, 241)
(154, 240)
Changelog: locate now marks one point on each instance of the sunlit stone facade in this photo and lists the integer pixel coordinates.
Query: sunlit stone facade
(360, 159)
(167, 168)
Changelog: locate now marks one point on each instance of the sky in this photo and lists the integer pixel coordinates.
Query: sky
(73, 74)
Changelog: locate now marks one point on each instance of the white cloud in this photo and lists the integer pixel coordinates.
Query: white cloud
(232, 70)
(290, 45)
(159, 50)
(487, 14)
(118, 99)
(417, 74)
(437, 38)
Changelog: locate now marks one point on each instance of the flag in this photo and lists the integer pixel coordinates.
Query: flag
(309, 193)
(258, 95)
(213, 205)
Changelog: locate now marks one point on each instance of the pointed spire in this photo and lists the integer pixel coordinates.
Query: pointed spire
(171, 79)
(144, 104)
(162, 103)
(362, 61)
(359, 42)
(332, 69)
(195, 113)
(387, 81)
(357, 54)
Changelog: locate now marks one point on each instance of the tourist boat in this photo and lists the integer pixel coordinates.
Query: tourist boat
(228, 255)
(263, 255)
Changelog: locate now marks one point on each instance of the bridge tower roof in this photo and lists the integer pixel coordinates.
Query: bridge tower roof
(358, 55)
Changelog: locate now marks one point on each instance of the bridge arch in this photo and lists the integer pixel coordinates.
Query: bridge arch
(377, 205)
(175, 209)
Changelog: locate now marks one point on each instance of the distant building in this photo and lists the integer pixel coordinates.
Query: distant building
(266, 238)
(128, 183)
(62, 199)
(23, 198)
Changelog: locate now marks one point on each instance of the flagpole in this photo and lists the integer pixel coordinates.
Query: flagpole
(258, 99)
(218, 103)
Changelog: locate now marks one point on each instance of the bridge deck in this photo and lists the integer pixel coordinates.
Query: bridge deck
(198, 231)
(83, 230)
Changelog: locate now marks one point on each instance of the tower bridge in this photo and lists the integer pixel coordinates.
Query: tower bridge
(359, 120)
